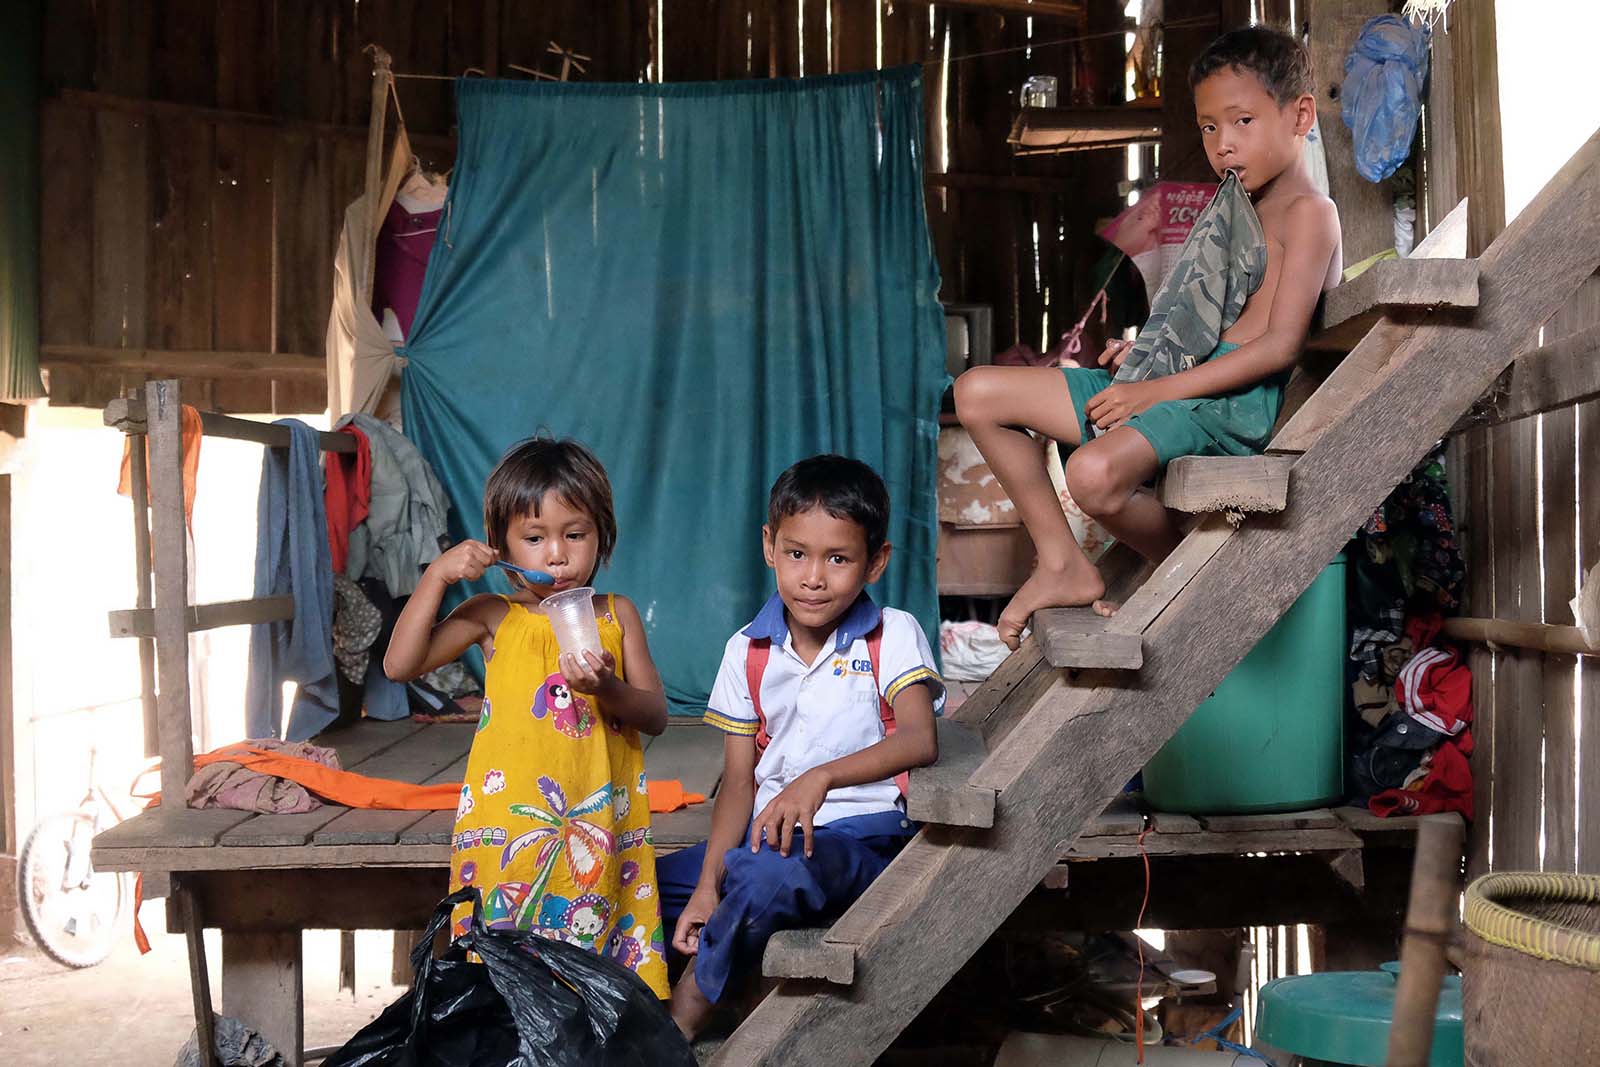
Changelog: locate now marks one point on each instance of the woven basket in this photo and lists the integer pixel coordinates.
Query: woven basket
(1531, 970)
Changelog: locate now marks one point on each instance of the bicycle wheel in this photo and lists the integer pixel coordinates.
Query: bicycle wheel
(73, 913)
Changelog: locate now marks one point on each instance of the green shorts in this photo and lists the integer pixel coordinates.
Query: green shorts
(1234, 424)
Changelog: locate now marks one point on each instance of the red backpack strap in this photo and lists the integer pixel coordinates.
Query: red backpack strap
(755, 667)
(885, 709)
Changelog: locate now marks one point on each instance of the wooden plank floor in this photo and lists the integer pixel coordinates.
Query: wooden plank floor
(1116, 832)
(333, 836)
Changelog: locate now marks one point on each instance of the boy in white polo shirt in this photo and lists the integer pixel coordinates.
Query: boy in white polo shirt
(826, 702)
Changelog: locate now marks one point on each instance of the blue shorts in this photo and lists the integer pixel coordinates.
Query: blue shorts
(765, 892)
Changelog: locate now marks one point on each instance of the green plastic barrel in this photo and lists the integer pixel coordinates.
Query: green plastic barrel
(1271, 737)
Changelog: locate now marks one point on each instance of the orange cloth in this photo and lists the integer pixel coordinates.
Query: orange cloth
(668, 796)
(340, 787)
(191, 461)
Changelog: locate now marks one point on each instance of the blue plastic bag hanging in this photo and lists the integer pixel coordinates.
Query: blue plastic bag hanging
(1382, 94)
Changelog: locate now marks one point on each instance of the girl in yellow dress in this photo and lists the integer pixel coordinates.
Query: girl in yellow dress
(554, 824)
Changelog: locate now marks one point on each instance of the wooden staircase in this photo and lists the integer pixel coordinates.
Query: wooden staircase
(1057, 743)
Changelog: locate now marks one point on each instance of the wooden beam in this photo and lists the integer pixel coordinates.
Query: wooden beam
(169, 535)
(1534, 636)
(188, 363)
(940, 793)
(1078, 638)
(804, 954)
(1366, 210)
(1003, 183)
(1052, 9)
(949, 889)
(128, 415)
(1480, 155)
(1554, 376)
(150, 109)
(190, 918)
(139, 488)
(140, 622)
(1197, 484)
(1408, 283)
(1047, 130)
(263, 986)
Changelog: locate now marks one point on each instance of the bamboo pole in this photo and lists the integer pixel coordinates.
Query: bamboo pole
(1536, 636)
(1430, 919)
(382, 79)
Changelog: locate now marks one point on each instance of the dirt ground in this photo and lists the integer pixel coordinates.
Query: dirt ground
(135, 1011)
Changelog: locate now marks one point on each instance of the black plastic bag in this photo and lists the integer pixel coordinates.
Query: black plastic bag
(532, 1002)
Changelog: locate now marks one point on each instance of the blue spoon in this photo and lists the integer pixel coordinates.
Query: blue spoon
(532, 577)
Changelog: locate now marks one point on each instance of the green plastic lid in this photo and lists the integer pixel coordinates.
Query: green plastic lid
(1343, 1017)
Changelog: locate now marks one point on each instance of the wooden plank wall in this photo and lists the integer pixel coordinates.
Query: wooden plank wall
(1530, 535)
(199, 155)
(1536, 535)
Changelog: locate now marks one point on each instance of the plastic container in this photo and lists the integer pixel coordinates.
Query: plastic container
(571, 613)
(1342, 1018)
(1271, 737)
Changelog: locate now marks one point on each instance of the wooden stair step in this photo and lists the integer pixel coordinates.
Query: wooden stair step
(1352, 308)
(946, 893)
(940, 793)
(1199, 484)
(1077, 637)
(804, 954)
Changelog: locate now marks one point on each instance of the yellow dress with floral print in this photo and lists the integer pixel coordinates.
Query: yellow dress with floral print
(554, 822)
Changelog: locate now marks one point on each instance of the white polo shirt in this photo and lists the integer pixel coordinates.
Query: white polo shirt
(817, 712)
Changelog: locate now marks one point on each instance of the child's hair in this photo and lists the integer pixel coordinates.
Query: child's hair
(1276, 58)
(845, 488)
(541, 465)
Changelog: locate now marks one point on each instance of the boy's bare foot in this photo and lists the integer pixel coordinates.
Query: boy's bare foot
(1106, 608)
(1068, 588)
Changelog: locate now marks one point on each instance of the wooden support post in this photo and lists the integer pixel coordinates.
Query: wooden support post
(1475, 67)
(1365, 209)
(1430, 918)
(263, 986)
(139, 484)
(165, 430)
(199, 973)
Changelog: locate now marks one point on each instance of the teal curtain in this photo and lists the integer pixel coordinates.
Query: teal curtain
(703, 283)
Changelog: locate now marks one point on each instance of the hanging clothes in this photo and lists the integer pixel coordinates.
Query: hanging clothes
(404, 244)
(347, 493)
(363, 369)
(406, 511)
(292, 559)
(191, 432)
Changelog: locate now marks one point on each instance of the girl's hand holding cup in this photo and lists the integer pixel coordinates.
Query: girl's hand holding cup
(589, 673)
(464, 562)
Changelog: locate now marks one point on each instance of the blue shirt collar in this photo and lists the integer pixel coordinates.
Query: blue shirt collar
(861, 619)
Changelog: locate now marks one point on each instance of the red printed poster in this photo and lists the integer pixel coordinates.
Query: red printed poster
(1153, 230)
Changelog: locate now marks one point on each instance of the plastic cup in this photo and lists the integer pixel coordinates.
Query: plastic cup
(571, 614)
